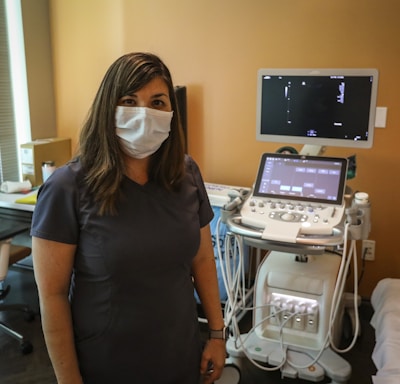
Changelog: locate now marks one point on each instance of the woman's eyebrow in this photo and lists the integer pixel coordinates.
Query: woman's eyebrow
(134, 95)
(160, 95)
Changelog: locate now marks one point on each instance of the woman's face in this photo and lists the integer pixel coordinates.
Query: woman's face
(153, 95)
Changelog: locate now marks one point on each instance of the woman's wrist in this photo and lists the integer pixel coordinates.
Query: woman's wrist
(220, 334)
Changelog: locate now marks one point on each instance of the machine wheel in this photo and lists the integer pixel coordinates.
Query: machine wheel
(231, 375)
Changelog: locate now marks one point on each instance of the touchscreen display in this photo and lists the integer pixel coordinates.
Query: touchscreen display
(297, 177)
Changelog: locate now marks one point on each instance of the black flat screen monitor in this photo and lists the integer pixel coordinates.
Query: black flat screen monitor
(322, 107)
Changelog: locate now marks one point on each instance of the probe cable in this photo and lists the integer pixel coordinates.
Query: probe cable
(234, 281)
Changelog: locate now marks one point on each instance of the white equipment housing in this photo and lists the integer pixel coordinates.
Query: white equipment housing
(290, 287)
(296, 211)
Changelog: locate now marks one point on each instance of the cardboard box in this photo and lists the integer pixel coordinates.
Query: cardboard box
(35, 153)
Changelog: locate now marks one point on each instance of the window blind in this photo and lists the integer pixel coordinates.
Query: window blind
(8, 139)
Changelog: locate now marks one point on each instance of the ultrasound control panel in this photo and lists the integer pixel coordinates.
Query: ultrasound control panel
(285, 220)
(296, 195)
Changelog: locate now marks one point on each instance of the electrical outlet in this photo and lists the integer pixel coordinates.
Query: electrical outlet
(368, 250)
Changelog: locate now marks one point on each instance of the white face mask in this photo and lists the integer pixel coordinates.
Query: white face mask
(141, 130)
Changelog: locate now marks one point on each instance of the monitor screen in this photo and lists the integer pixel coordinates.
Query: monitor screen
(325, 107)
(313, 179)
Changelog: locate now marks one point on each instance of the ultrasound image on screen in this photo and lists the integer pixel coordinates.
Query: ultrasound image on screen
(316, 106)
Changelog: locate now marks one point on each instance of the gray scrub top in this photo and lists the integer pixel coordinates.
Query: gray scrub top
(132, 301)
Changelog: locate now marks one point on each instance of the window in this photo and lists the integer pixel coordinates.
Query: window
(14, 105)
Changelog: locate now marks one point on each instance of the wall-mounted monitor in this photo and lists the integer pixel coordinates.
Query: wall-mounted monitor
(319, 107)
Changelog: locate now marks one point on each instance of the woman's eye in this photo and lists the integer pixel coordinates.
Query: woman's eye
(127, 101)
(158, 103)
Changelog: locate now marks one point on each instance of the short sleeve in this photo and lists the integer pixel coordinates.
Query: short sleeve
(56, 215)
(206, 213)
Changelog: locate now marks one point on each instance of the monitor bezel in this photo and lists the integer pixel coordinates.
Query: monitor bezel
(318, 141)
(341, 187)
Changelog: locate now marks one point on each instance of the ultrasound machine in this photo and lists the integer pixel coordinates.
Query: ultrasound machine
(305, 219)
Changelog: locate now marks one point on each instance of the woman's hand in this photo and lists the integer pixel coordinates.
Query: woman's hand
(213, 360)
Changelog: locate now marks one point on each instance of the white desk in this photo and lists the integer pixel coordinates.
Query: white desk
(7, 200)
(12, 212)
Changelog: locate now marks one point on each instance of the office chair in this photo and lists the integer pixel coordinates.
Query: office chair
(10, 254)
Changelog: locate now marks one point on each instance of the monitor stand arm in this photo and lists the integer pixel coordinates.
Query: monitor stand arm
(312, 150)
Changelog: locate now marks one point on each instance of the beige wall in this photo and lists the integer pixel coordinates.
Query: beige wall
(39, 68)
(215, 47)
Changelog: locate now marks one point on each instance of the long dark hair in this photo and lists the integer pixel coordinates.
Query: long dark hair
(99, 149)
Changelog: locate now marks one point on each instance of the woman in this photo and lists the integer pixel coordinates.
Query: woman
(120, 234)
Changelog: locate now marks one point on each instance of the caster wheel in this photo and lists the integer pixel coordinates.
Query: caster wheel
(26, 347)
(230, 375)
